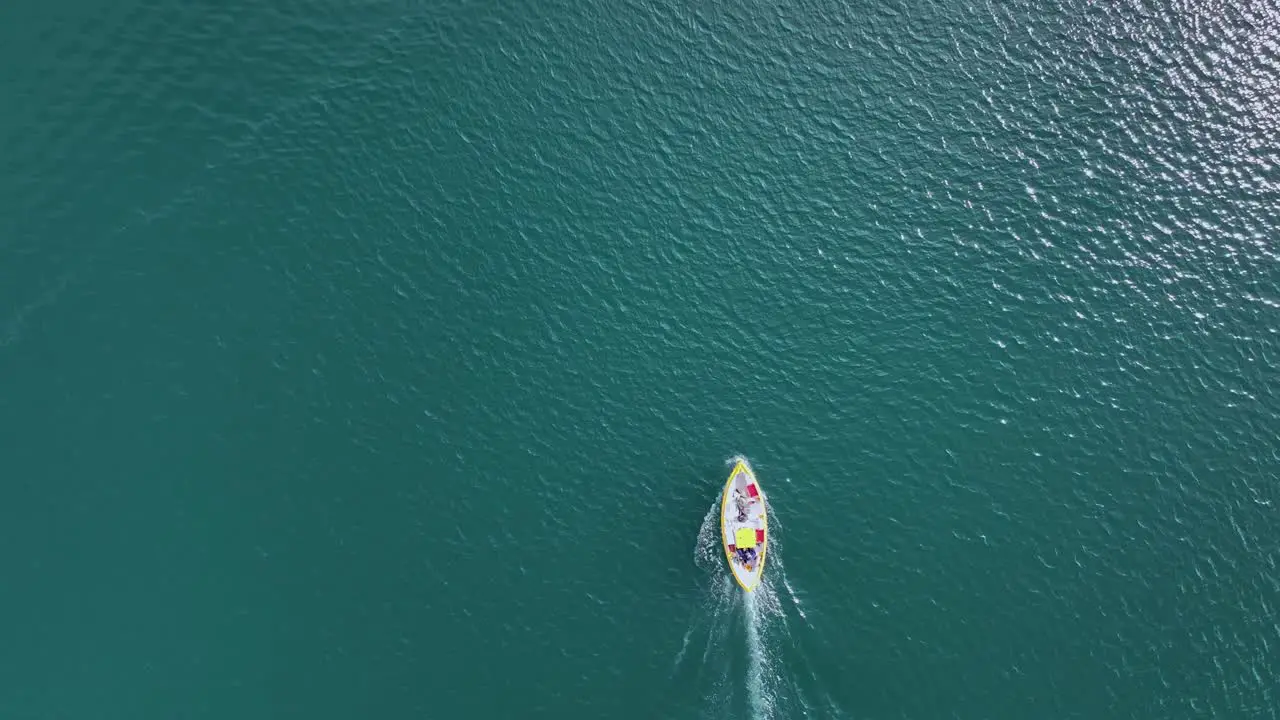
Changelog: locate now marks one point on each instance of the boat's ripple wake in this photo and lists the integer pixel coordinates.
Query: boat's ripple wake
(713, 651)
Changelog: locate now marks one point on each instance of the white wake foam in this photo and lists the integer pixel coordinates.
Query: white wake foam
(713, 627)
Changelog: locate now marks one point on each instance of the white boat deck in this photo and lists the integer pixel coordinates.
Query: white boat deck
(740, 508)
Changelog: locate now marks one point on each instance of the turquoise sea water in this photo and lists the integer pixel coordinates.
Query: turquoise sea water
(384, 359)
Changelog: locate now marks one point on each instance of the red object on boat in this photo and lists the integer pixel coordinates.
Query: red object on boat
(752, 491)
(759, 536)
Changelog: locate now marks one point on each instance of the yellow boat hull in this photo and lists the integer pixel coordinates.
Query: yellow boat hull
(744, 526)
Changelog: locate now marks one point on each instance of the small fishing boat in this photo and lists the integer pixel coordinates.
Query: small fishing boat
(744, 526)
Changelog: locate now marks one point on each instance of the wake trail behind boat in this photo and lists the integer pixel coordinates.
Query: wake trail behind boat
(712, 631)
(743, 652)
(758, 695)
